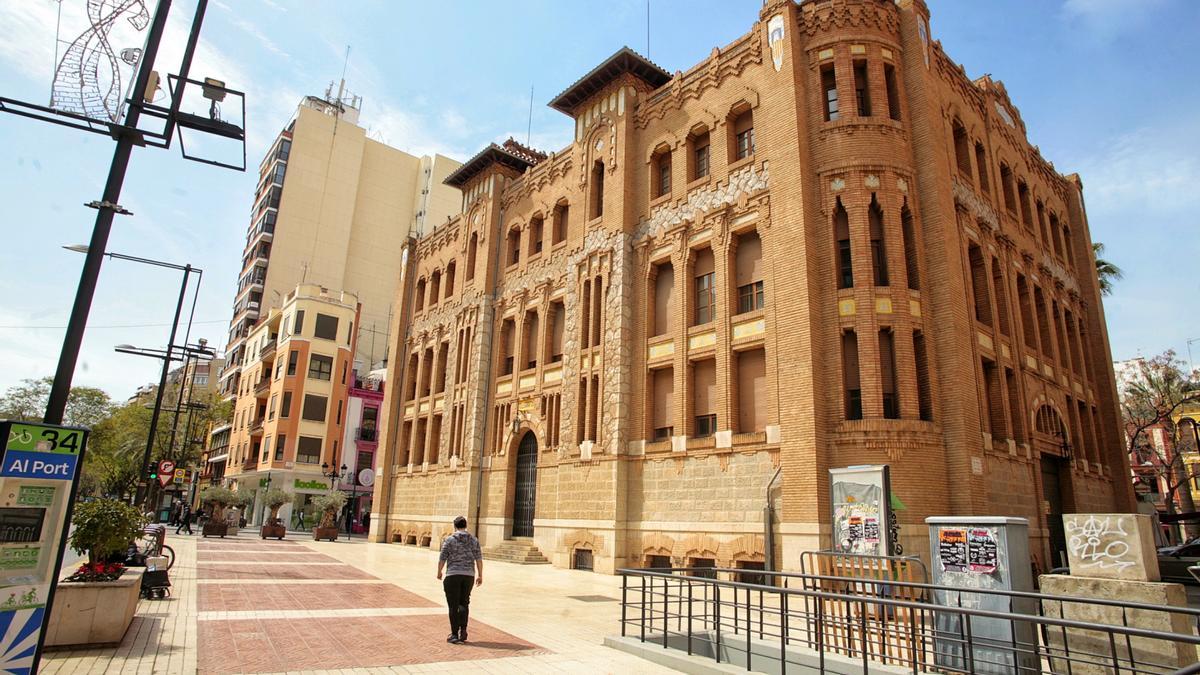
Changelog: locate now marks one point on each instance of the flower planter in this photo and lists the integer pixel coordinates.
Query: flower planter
(93, 612)
(330, 533)
(276, 530)
(214, 529)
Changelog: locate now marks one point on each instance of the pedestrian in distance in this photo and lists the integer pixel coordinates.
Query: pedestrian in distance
(462, 562)
(300, 519)
(185, 519)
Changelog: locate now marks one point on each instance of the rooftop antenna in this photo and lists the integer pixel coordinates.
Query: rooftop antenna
(341, 90)
(529, 127)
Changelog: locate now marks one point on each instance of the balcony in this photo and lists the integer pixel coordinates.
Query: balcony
(262, 387)
(256, 427)
(268, 349)
(251, 464)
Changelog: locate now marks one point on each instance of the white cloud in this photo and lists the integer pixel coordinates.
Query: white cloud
(1150, 170)
(1103, 20)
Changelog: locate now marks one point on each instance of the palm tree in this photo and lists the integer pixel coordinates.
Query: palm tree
(1106, 271)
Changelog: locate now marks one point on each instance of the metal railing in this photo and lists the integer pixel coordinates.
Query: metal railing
(834, 623)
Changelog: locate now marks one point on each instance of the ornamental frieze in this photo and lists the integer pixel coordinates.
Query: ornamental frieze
(667, 217)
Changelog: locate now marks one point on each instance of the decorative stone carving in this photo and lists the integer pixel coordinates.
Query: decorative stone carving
(902, 185)
(837, 184)
(745, 182)
(966, 197)
(871, 181)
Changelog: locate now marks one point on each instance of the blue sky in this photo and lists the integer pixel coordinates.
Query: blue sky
(1105, 88)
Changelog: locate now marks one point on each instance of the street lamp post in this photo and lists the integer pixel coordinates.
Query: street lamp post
(262, 514)
(167, 356)
(162, 380)
(333, 474)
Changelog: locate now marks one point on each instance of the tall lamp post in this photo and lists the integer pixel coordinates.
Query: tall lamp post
(168, 356)
(162, 380)
(129, 131)
(332, 472)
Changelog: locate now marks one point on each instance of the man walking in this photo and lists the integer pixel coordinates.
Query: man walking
(463, 563)
(185, 519)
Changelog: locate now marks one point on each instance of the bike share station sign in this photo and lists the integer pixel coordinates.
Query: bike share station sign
(39, 472)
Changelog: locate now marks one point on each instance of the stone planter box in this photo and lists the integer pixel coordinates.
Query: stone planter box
(212, 529)
(330, 533)
(276, 530)
(94, 612)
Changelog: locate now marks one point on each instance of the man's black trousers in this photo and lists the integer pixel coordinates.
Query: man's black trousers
(458, 598)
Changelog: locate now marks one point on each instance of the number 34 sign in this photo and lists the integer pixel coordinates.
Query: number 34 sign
(40, 452)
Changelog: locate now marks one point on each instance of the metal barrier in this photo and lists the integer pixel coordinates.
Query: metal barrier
(831, 623)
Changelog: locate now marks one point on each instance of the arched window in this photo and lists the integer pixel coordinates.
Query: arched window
(879, 261)
(841, 234)
(912, 261)
(597, 195)
(450, 269)
(536, 231)
(472, 250)
(741, 133)
(748, 273)
(851, 389)
(663, 291)
(962, 152)
(698, 153)
(513, 244)
(561, 215)
(982, 165)
(660, 172)
(435, 287)
(419, 301)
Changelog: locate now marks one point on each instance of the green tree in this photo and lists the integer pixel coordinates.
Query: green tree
(86, 406)
(1152, 397)
(1106, 271)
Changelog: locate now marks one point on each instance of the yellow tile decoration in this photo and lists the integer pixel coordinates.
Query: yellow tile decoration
(424, 407)
(749, 328)
(1031, 362)
(858, 49)
(408, 409)
(439, 403)
(887, 53)
(825, 54)
(552, 374)
(846, 307)
(985, 340)
(914, 308)
(661, 349)
(528, 381)
(883, 305)
(1005, 351)
(504, 388)
(702, 340)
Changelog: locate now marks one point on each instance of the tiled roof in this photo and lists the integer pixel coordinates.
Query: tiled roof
(491, 154)
(624, 61)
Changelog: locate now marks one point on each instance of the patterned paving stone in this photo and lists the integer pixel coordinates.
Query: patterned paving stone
(264, 557)
(218, 597)
(277, 645)
(277, 572)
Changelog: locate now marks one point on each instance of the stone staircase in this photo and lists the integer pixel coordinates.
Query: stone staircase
(519, 551)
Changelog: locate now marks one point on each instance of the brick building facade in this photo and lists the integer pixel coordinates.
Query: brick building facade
(822, 246)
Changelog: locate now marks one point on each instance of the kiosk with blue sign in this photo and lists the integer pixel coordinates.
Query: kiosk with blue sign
(39, 472)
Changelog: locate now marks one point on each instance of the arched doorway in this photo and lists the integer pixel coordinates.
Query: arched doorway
(525, 494)
(1050, 441)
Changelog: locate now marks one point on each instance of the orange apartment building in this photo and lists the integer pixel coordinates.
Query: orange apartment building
(290, 408)
(825, 245)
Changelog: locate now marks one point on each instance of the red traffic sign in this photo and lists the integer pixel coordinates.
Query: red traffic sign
(166, 471)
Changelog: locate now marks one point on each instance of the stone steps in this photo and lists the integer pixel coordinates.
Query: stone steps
(516, 551)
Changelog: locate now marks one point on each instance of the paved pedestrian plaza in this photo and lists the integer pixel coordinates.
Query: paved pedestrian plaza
(247, 605)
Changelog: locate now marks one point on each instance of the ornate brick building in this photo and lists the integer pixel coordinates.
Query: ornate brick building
(822, 246)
